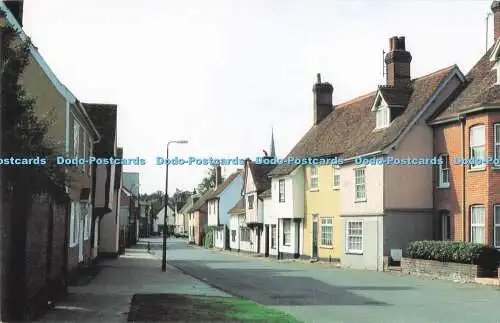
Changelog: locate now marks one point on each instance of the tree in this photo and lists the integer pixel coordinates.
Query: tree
(23, 136)
(208, 181)
(180, 198)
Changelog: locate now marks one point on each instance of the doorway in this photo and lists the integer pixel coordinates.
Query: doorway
(267, 240)
(315, 237)
(445, 226)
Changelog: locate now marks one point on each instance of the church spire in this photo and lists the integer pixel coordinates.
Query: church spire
(273, 151)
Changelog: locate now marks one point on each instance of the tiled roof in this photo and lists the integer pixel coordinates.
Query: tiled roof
(265, 194)
(260, 173)
(202, 200)
(224, 184)
(348, 130)
(104, 118)
(238, 208)
(187, 205)
(479, 90)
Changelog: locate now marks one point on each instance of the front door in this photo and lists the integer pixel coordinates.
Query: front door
(315, 238)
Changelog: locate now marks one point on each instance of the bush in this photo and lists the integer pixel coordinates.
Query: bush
(208, 239)
(460, 252)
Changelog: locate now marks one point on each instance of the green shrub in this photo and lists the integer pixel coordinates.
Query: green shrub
(460, 252)
(208, 239)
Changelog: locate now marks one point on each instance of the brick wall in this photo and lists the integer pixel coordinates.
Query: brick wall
(480, 186)
(440, 270)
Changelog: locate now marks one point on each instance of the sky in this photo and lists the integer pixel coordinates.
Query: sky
(223, 73)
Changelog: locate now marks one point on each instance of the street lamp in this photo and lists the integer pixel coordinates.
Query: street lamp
(164, 254)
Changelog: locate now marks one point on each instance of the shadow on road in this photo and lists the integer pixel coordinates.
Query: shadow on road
(275, 287)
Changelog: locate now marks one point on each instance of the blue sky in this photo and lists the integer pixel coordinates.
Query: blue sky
(221, 73)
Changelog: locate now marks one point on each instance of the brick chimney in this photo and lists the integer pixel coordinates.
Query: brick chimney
(323, 101)
(16, 8)
(218, 176)
(398, 63)
(495, 8)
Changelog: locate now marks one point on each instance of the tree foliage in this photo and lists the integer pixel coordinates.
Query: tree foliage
(208, 181)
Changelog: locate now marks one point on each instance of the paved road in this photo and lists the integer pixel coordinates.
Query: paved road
(319, 294)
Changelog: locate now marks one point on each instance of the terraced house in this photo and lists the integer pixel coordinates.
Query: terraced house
(306, 197)
(467, 196)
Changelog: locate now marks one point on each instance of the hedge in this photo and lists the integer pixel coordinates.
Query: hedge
(208, 239)
(459, 252)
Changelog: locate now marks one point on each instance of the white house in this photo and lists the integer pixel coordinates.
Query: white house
(270, 240)
(237, 226)
(158, 222)
(287, 204)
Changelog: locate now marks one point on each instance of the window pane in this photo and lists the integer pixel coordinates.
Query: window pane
(477, 136)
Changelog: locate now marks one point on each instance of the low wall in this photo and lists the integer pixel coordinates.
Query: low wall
(441, 270)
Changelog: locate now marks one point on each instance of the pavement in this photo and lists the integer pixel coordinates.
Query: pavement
(107, 297)
(325, 294)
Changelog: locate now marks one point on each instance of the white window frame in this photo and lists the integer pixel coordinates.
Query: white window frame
(287, 232)
(444, 172)
(496, 227)
(496, 142)
(349, 236)
(477, 145)
(273, 236)
(281, 192)
(445, 230)
(76, 138)
(360, 185)
(326, 223)
(383, 117)
(477, 225)
(314, 180)
(336, 177)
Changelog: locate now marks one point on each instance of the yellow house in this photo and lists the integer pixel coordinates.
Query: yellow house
(322, 225)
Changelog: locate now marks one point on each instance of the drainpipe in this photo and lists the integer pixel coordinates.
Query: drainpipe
(278, 239)
(464, 211)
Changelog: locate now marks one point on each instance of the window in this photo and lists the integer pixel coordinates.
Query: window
(314, 177)
(273, 236)
(497, 140)
(233, 235)
(360, 193)
(74, 223)
(336, 177)
(287, 232)
(76, 138)
(245, 234)
(327, 232)
(444, 172)
(281, 190)
(250, 202)
(496, 227)
(477, 224)
(354, 237)
(477, 144)
(383, 117)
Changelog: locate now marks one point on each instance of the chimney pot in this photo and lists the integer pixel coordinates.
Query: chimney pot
(318, 76)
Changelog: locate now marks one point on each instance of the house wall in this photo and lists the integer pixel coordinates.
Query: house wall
(110, 230)
(200, 220)
(228, 198)
(270, 219)
(234, 224)
(101, 189)
(297, 234)
(250, 190)
(372, 256)
(324, 203)
(480, 186)
(283, 209)
(400, 228)
(374, 186)
(213, 212)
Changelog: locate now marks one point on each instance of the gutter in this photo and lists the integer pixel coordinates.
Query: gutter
(462, 127)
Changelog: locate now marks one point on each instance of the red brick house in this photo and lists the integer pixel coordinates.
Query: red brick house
(198, 218)
(467, 197)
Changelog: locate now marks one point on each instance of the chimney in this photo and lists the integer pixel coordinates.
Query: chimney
(495, 8)
(218, 176)
(398, 63)
(323, 104)
(16, 8)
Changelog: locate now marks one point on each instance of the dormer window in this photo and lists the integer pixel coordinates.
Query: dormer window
(383, 117)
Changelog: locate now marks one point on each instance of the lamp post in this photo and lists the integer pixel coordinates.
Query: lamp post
(164, 253)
